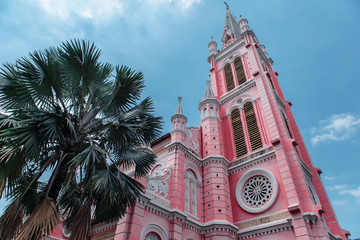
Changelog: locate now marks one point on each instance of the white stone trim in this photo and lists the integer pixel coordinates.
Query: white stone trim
(238, 91)
(264, 229)
(239, 104)
(194, 169)
(242, 181)
(238, 167)
(229, 49)
(144, 229)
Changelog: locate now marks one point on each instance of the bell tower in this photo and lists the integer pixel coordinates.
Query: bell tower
(274, 186)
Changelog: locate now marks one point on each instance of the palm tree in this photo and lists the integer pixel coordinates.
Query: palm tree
(68, 128)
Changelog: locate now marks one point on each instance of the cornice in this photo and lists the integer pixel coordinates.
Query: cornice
(188, 151)
(207, 101)
(185, 219)
(101, 227)
(238, 91)
(215, 159)
(252, 160)
(265, 229)
(230, 49)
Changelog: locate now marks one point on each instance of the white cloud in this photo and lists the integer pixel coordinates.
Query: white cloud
(353, 192)
(336, 128)
(330, 178)
(97, 11)
(337, 187)
(339, 202)
(344, 189)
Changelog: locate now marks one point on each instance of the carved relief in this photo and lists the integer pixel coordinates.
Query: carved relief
(158, 178)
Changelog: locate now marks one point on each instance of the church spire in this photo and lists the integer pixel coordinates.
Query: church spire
(231, 24)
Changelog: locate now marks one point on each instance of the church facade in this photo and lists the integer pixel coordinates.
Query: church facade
(244, 173)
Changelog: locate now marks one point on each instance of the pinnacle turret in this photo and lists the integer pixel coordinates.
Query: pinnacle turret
(208, 91)
(179, 107)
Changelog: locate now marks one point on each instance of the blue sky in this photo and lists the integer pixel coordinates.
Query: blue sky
(314, 44)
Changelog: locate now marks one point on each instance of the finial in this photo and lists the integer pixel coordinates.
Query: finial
(227, 6)
(179, 108)
(212, 38)
(240, 17)
(208, 91)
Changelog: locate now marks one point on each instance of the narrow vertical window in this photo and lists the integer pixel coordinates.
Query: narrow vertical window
(253, 130)
(239, 70)
(190, 193)
(229, 77)
(238, 133)
(271, 82)
(287, 125)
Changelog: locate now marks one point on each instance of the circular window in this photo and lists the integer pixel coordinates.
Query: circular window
(256, 190)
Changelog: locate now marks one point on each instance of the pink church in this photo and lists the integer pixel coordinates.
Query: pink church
(244, 173)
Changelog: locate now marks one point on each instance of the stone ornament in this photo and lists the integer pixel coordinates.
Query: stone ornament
(256, 190)
(158, 178)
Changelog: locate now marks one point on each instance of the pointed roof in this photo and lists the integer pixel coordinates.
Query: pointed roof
(208, 91)
(231, 24)
(179, 108)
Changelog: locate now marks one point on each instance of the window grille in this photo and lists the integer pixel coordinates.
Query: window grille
(239, 71)
(238, 133)
(229, 77)
(253, 130)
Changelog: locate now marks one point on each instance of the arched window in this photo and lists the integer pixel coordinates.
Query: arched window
(238, 133)
(239, 71)
(251, 123)
(190, 193)
(212, 111)
(152, 236)
(229, 77)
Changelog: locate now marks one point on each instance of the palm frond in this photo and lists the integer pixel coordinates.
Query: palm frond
(142, 161)
(81, 225)
(14, 93)
(11, 220)
(41, 222)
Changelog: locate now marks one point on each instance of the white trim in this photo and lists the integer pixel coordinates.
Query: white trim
(163, 237)
(194, 169)
(243, 180)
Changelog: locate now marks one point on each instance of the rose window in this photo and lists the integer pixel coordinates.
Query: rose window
(257, 191)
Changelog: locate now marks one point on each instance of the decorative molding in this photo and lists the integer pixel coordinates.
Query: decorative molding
(101, 227)
(215, 159)
(239, 102)
(310, 217)
(241, 185)
(238, 91)
(252, 160)
(187, 220)
(264, 229)
(229, 50)
(160, 230)
(278, 99)
(194, 169)
(157, 180)
(263, 219)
